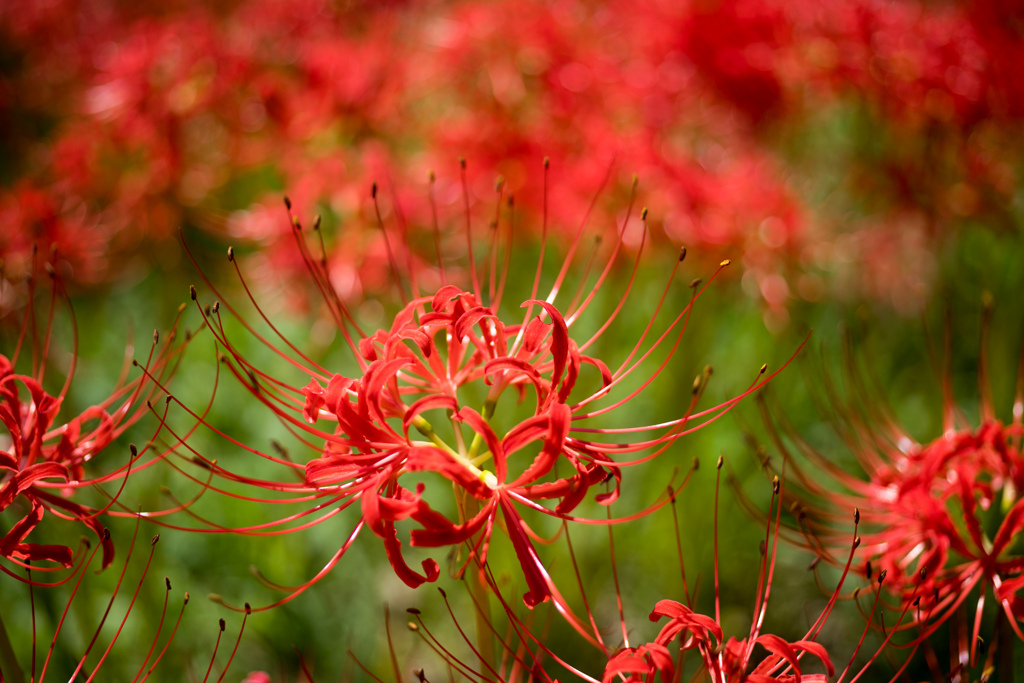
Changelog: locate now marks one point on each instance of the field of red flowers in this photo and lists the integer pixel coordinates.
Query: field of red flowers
(511, 341)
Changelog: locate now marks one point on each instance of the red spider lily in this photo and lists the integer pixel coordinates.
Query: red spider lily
(45, 460)
(948, 510)
(412, 375)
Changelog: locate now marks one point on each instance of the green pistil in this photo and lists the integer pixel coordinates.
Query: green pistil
(488, 412)
(424, 427)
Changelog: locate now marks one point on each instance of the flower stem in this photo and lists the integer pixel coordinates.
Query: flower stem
(9, 669)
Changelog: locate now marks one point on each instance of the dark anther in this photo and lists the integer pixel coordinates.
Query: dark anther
(133, 449)
(192, 292)
(223, 625)
(695, 283)
(187, 596)
(248, 609)
(413, 610)
(881, 576)
(231, 253)
(856, 515)
(373, 190)
(167, 581)
(721, 459)
(156, 336)
(682, 254)
(155, 539)
(867, 569)
(643, 214)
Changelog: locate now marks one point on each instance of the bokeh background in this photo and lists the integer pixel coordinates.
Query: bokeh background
(857, 160)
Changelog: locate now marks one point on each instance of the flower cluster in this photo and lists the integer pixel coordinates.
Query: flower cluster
(158, 116)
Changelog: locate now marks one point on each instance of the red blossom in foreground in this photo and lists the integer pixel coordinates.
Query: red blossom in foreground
(45, 460)
(414, 378)
(942, 519)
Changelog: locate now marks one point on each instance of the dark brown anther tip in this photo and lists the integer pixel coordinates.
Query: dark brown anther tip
(867, 568)
(167, 581)
(187, 597)
(721, 459)
(207, 310)
(413, 610)
(156, 336)
(248, 608)
(216, 307)
(223, 625)
(775, 485)
(856, 515)
(682, 254)
(168, 399)
(696, 463)
(155, 539)
(231, 254)
(287, 203)
(764, 369)
(856, 542)
(881, 576)
(373, 190)
(106, 534)
(316, 222)
(643, 214)
(441, 591)
(917, 601)
(192, 292)
(695, 283)
(133, 449)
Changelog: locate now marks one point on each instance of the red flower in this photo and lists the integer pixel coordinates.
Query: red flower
(44, 460)
(942, 519)
(414, 378)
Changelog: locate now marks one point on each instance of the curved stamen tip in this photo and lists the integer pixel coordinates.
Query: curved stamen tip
(724, 263)
(287, 203)
(856, 542)
(316, 222)
(216, 307)
(695, 283)
(696, 464)
(231, 254)
(413, 610)
(192, 292)
(167, 580)
(223, 625)
(248, 608)
(721, 459)
(643, 214)
(881, 576)
(133, 449)
(155, 539)
(856, 515)
(373, 190)
(682, 254)
(441, 591)
(187, 597)
(763, 369)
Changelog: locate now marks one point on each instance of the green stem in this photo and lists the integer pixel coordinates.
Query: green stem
(9, 669)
